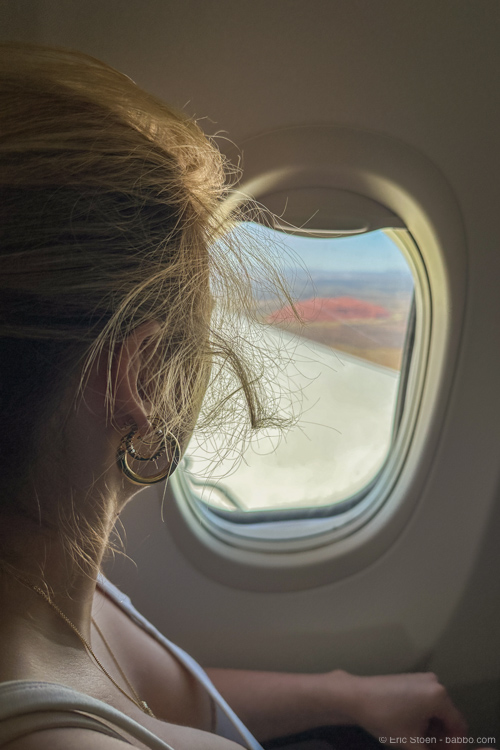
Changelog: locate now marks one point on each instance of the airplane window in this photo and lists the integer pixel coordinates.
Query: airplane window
(348, 361)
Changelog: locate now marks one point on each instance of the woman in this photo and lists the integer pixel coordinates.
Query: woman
(112, 249)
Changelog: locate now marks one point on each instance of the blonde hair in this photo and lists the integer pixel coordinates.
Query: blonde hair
(110, 215)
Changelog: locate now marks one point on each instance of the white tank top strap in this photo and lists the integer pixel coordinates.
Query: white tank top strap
(19, 726)
(27, 706)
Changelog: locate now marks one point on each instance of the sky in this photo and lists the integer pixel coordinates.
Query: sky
(372, 252)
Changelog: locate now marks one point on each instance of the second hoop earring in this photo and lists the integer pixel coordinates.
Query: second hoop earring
(161, 441)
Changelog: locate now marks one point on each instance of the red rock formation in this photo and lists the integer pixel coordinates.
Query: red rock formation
(323, 309)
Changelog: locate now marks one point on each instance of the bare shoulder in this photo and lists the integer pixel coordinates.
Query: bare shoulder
(159, 677)
(62, 739)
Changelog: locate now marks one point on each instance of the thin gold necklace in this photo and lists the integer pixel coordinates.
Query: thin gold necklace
(136, 700)
(142, 704)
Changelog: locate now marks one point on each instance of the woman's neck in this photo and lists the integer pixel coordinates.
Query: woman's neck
(41, 582)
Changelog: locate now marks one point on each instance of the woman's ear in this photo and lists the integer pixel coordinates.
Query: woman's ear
(128, 406)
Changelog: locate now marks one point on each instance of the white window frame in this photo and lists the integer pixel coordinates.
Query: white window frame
(408, 185)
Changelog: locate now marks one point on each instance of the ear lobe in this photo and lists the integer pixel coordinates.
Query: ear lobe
(128, 406)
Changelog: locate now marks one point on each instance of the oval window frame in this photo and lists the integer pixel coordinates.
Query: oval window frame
(405, 182)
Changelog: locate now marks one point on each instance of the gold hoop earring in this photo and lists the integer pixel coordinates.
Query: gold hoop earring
(128, 451)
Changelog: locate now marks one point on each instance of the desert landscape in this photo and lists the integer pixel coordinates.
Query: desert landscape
(365, 315)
